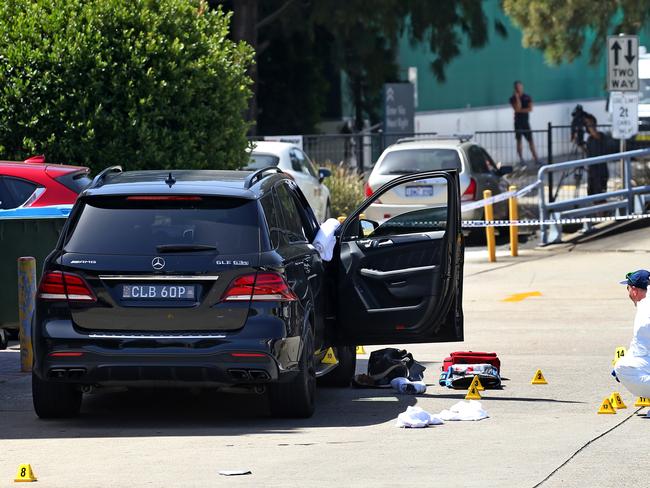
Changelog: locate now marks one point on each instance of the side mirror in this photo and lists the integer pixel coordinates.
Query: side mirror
(323, 173)
(504, 170)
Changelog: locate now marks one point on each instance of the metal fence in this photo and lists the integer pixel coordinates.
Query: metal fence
(553, 144)
(626, 195)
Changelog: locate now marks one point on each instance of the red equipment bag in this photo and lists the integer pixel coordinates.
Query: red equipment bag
(472, 357)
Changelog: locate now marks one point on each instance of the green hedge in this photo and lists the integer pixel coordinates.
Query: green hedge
(142, 83)
(346, 190)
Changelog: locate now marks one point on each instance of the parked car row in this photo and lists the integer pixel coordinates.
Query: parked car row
(210, 278)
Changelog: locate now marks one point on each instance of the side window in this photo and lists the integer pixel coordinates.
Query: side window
(292, 222)
(477, 160)
(423, 206)
(6, 202)
(20, 190)
(490, 161)
(273, 218)
(306, 164)
(295, 161)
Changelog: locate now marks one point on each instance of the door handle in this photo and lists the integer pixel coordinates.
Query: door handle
(386, 242)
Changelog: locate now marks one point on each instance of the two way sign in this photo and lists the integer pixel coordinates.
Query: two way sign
(623, 63)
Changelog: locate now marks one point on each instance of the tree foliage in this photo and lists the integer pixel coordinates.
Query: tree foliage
(362, 40)
(142, 83)
(561, 27)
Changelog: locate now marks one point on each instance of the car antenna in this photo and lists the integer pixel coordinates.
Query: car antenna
(170, 180)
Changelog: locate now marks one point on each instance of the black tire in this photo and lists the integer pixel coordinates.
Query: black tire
(4, 339)
(55, 400)
(341, 376)
(296, 398)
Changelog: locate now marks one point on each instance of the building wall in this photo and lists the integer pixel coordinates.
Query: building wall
(480, 82)
(500, 117)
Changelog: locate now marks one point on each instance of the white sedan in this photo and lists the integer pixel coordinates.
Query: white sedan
(293, 161)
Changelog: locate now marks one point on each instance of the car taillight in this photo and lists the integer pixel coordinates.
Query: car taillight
(262, 287)
(56, 285)
(165, 198)
(470, 192)
(367, 189)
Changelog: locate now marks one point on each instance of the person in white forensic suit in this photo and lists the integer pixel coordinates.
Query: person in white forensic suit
(633, 369)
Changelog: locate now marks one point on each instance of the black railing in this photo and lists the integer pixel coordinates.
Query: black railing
(553, 145)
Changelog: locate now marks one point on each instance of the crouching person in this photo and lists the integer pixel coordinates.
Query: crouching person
(633, 369)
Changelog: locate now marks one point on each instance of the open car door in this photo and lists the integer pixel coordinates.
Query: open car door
(400, 272)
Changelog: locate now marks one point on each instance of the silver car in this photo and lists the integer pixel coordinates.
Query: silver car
(478, 172)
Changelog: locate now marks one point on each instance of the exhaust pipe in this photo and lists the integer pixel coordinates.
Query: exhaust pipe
(259, 389)
(87, 388)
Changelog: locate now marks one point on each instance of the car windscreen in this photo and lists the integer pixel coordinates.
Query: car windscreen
(419, 160)
(260, 160)
(146, 225)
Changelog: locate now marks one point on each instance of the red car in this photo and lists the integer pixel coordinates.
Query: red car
(34, 183)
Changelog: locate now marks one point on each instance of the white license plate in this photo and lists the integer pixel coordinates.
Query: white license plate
(419, 191)
(158, 292)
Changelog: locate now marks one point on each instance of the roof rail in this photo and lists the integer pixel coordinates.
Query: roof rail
(436, 137)
(259, 174)
(99, 179)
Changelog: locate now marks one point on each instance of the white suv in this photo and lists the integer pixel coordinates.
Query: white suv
(293, 161)
(478, 172)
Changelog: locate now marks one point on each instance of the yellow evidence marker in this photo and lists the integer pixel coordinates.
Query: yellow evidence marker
(642, 402)
(618, 354)
(477, 383)
(472, 393)
(616, 401)
(606, 407)
(538, 379)
(330, 358)
(25, 473)
(360, 350)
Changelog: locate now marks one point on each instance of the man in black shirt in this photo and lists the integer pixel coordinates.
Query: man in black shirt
(597, 174)
(522, 104)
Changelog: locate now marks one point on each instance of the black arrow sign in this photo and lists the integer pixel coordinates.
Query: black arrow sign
(629, 55)
(616, 47)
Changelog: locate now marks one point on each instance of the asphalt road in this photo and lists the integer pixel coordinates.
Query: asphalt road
(569, 329)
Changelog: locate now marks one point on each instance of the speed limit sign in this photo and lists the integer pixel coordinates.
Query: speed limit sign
(625, 118)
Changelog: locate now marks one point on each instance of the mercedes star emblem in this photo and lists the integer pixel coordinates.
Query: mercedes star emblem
(158, 263)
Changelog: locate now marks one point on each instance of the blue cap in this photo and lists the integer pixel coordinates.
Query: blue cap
(638, 279)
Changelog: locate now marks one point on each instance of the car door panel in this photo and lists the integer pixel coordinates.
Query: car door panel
(398, 287)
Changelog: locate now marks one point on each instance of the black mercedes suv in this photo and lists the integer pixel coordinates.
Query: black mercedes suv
(214, 279)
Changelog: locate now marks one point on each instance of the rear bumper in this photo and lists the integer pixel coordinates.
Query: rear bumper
(211, 360)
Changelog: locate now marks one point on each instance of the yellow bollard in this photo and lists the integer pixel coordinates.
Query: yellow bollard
(514, 230)
(489, 231)
(26, 300)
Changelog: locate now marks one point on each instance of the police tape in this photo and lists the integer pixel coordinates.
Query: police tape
(499, 197)
(537, 222)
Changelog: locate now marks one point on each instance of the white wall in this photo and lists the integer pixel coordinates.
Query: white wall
(468, 121)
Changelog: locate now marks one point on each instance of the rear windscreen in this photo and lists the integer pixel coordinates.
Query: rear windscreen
(419, 160)
(128, 225)
(259, 161)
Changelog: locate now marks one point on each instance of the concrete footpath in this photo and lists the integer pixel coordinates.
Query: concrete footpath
(568, 316)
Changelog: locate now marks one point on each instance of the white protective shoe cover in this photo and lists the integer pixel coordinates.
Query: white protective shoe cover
(404, 385)
(471, 410)
(416, 418)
